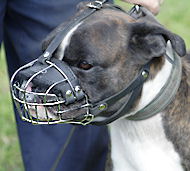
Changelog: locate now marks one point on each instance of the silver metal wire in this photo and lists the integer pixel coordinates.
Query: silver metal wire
(29, 109)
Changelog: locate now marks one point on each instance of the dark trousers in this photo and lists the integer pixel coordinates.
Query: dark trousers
(26, 23)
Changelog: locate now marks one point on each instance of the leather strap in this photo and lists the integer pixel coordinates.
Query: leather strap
(158, 104)
(93, 7)
(167, 93)
(133, 89)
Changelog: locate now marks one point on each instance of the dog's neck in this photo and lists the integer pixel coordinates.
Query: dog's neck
(139, 145)
(153, 86)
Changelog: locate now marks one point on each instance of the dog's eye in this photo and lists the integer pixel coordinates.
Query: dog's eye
(85, 65)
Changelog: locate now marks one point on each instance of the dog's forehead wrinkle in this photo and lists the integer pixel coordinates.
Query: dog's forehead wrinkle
(100, 48)
(99, 30)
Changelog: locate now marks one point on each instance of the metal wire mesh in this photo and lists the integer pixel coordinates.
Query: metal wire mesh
(31, 104)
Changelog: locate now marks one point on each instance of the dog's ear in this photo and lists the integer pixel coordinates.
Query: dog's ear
(148, 40)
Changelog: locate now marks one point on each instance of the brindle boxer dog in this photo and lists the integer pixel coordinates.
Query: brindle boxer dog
(106, 51)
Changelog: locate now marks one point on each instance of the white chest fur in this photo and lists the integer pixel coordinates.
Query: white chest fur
(142, 146)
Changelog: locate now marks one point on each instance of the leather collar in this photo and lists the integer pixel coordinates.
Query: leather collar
(167, 92)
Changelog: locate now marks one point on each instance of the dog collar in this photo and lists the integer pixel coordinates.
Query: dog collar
(133, 90)
(158, 104)
(167, 92)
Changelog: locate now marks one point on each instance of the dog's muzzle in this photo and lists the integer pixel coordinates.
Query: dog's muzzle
(48, 87)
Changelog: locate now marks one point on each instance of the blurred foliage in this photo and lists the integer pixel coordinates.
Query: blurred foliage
(174, 15)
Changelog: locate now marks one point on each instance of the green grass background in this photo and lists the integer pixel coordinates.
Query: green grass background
(174, 15)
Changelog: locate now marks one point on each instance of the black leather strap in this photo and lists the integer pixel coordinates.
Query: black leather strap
(93, 7)
(123, 110)
(134, 88)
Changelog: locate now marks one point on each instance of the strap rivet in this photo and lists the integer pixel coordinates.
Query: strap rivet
(145, 74)
(102, 107)
(77, 89)
(69, 93)
(46, 54)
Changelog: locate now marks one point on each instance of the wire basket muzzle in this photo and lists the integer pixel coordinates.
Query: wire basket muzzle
(38, 87)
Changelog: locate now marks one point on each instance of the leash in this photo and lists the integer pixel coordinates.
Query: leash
(62, 151)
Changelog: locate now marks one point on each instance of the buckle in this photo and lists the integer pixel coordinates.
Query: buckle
(95, 5)
(88, 118)
(137, 8)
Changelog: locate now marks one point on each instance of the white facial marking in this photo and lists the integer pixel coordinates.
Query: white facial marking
(65, 42)
(44, 113)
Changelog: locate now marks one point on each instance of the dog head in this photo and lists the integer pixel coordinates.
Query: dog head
(106, 51)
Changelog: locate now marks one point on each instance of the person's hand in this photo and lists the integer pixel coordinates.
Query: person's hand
(152, 5)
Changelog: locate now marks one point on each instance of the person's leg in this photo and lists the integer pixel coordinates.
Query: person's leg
(27, 22)
(2, 13)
